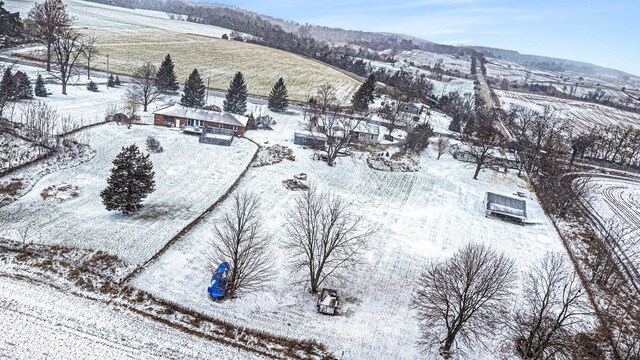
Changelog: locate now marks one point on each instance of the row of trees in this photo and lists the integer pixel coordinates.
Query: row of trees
(469, 298)
(149, 84)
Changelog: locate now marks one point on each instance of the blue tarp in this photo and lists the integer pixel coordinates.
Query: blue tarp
(218, 281)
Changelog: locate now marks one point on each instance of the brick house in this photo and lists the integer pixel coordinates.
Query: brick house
(184, 117)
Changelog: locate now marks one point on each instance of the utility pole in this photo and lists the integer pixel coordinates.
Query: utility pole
(206, 99)
(107, 71)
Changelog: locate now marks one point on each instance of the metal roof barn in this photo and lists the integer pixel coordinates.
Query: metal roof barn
(505, 207)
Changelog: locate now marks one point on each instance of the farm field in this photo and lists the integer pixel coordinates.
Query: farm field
(583, 115)
(618, 202)
(415, 214)
(450, 62)
(59, 325)
(189, 178)
(99, 16)
(217, 61)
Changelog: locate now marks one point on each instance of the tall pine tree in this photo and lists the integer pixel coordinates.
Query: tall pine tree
(40, 90)
(236, 99)
(364, 95)
(25, 90)
(166, 79)
(278, 98)
(8, 87)
(130, 182)
(194, 91)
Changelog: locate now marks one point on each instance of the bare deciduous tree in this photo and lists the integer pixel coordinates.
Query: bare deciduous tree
(90, 49)
(480, 149)
(326, 117)
(554, 311)
(442, 145)
(394, 115)
(242, 242)
(45, 21)
(324, 236)
(464, 297)
(143, 88)
(67, 47)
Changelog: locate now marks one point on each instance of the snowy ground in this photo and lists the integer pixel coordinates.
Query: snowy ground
(59, 325)
(15, 151)
(618, 201)
(581, 114)
(189, 177)
(420, 216)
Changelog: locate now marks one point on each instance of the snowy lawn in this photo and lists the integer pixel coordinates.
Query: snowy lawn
(420, 216)
(189, 178)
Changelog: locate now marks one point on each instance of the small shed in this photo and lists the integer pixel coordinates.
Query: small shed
(328, 302)
(505, 207)
(312, 139)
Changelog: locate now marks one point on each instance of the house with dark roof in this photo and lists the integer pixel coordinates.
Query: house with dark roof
(505, 207)
(197, 120)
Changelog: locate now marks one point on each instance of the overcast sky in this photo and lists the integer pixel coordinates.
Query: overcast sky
(602, 32)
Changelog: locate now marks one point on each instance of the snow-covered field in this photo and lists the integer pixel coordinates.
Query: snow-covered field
(98, 16)
(189, 177)
(617, 203)
(420, 216)
(582, 114)
(40, 322)
(449, 62)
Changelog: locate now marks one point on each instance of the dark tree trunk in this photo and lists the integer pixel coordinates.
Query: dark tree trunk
(48, 57)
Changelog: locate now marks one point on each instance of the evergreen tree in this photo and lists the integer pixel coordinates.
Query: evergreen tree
(166, 78)
(131, 180)
(117, 82)
(455, 125)
(25, 90)
(111, 82)
(194, 91)
(8, 87)
(361, 99)
(40, 90)
(92, 86)
(236, 99)
(278, 98)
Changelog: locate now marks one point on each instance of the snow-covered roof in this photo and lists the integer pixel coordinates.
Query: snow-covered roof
(506, 205)
(205, 115)
(312, 134)
(367, 128)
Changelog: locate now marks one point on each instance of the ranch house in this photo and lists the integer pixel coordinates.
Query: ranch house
(196, 120)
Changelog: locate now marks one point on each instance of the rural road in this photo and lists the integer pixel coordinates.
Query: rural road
(485, 93)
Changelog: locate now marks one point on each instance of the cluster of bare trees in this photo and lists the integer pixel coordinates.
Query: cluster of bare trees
(327, 117)
(50, 23)
(325, 238)
(542, 143)
(468, 298)
(614, 144)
